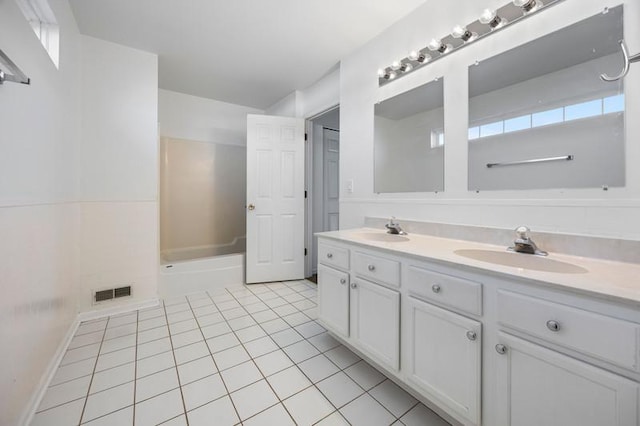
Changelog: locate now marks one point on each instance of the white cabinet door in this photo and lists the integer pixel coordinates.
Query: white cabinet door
(333, 299)
(444, 357)
(375, 321)
(538, 386)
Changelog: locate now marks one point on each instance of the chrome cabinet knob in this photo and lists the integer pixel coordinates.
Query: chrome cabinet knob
(371, 268)
(343, 281)
(329, 255)
(472, 335)
(553, 325)
(501, 349)
(354, 285)
(435, 288)
(251, 207)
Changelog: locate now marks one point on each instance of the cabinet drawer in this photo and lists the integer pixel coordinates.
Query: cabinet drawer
(333, 256)
(445, 290)
(609, 339)
(378, 268)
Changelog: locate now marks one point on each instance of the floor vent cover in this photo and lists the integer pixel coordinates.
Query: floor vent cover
(103, 295)
(112, 293)
(122, 291)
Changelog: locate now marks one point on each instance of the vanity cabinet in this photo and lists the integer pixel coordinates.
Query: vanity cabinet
(538, 386)
(375, 321)
(333, 299)
(444, 357)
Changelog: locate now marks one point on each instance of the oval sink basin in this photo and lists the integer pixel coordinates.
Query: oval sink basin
(381, 237)
(520, 260)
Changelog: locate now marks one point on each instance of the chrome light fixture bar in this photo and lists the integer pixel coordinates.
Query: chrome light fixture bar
(489, 22)
(7, 66)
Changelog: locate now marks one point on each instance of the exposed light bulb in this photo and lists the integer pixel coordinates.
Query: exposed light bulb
(406, 67)
(424, 58)
(489, 17)
(392, 75)
(527, 5)
(381, 73)
(463, 33)
(414, 55)
(436, 45)
(396, 65)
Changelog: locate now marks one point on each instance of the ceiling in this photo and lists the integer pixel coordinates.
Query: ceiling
(247, 52)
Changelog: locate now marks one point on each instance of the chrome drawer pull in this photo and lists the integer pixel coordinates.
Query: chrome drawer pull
(501, 349)
(343, 281)
(329, 255)
(471, 335)
(371, 268)
(553, 325)
(435, 288)
(354, 285)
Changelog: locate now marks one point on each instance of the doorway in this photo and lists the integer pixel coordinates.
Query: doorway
(322, 181)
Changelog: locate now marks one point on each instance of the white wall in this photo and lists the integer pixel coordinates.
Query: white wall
(200, 119)
(580, 211)
(315, 99)
(39, 133)
(118, 218)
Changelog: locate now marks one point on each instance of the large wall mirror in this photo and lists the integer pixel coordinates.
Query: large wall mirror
(409, 141)
(541, 117)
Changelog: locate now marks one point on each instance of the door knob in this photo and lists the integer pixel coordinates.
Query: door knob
(251, 207)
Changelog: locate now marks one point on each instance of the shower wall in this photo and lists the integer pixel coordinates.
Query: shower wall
(202, 198)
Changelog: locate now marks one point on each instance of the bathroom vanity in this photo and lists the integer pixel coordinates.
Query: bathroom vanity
(485, 336)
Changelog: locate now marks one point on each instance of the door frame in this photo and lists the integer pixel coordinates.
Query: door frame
(308, 184)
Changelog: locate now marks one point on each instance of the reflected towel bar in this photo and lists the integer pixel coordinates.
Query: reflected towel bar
(16, 76)
(535, 160)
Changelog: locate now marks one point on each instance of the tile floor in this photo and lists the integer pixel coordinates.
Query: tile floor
(250, 355)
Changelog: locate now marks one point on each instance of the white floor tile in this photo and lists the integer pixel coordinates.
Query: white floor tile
(203, 391)
(260, 346)
(264, 316)
(162, 407)
(256, 307)
(152, 323)
(230, 357)
(85, 352)
(334, 419)
(241, 322)
(311, 313)
(253, 399)
(122, 330)
(276, 302)
(288, 382)
(121, 417)
(153, 348)
(118, 320)
(155, 363)
(90, 327)
(108, 401)
(229, 304)
(219, 412)
(308, 406)
(273, 362)
(276, 415)
(366, 411)
(182, 326)
(241, 375)
(152, 334)
(197, 369)
(209, 319)
(176, 421)
(191, 352)
(300, 351)
(342, 357)
(113, 377)
(365, 375)
(118, 343)
(147, 314)
(420, 415)
(286, 337)
(393, 398)
(178, 307)
(197, 303)
(220, 343)
(296, 319)
(73, 371)
(174, 300)
(215, 330)
(61, 415)
(207, 310)
(304, 304)
(295, 297)
(323, 342)
(179, 316)
(340, 389)
(318, 368)
(285, 310)
(234, 313)
(250, 333)
(114, 359)
(86, 339)
(156, 384)
(186, 338)
(310, 329)
(65, 392)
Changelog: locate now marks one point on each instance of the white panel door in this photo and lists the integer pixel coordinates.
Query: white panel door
(275, 198)
(331, 187)
(333, 299)
(444, 353)
(538, 386)
(375, 321)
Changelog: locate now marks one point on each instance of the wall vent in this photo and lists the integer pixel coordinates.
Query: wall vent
(112, 293)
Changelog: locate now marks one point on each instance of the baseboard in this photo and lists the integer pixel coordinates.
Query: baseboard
(52, 367)
(116, 310)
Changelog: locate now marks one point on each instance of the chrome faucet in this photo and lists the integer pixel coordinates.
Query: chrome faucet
(524, 244)
(393, 227)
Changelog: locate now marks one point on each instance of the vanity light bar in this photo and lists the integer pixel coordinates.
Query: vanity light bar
(488, 23)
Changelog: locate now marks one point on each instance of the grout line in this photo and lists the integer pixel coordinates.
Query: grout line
(135, 370)
(94, 371)
(175, 364)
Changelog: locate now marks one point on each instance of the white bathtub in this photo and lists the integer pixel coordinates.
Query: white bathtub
(208, 273)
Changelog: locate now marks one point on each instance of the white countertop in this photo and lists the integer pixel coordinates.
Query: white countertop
(605, 279)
